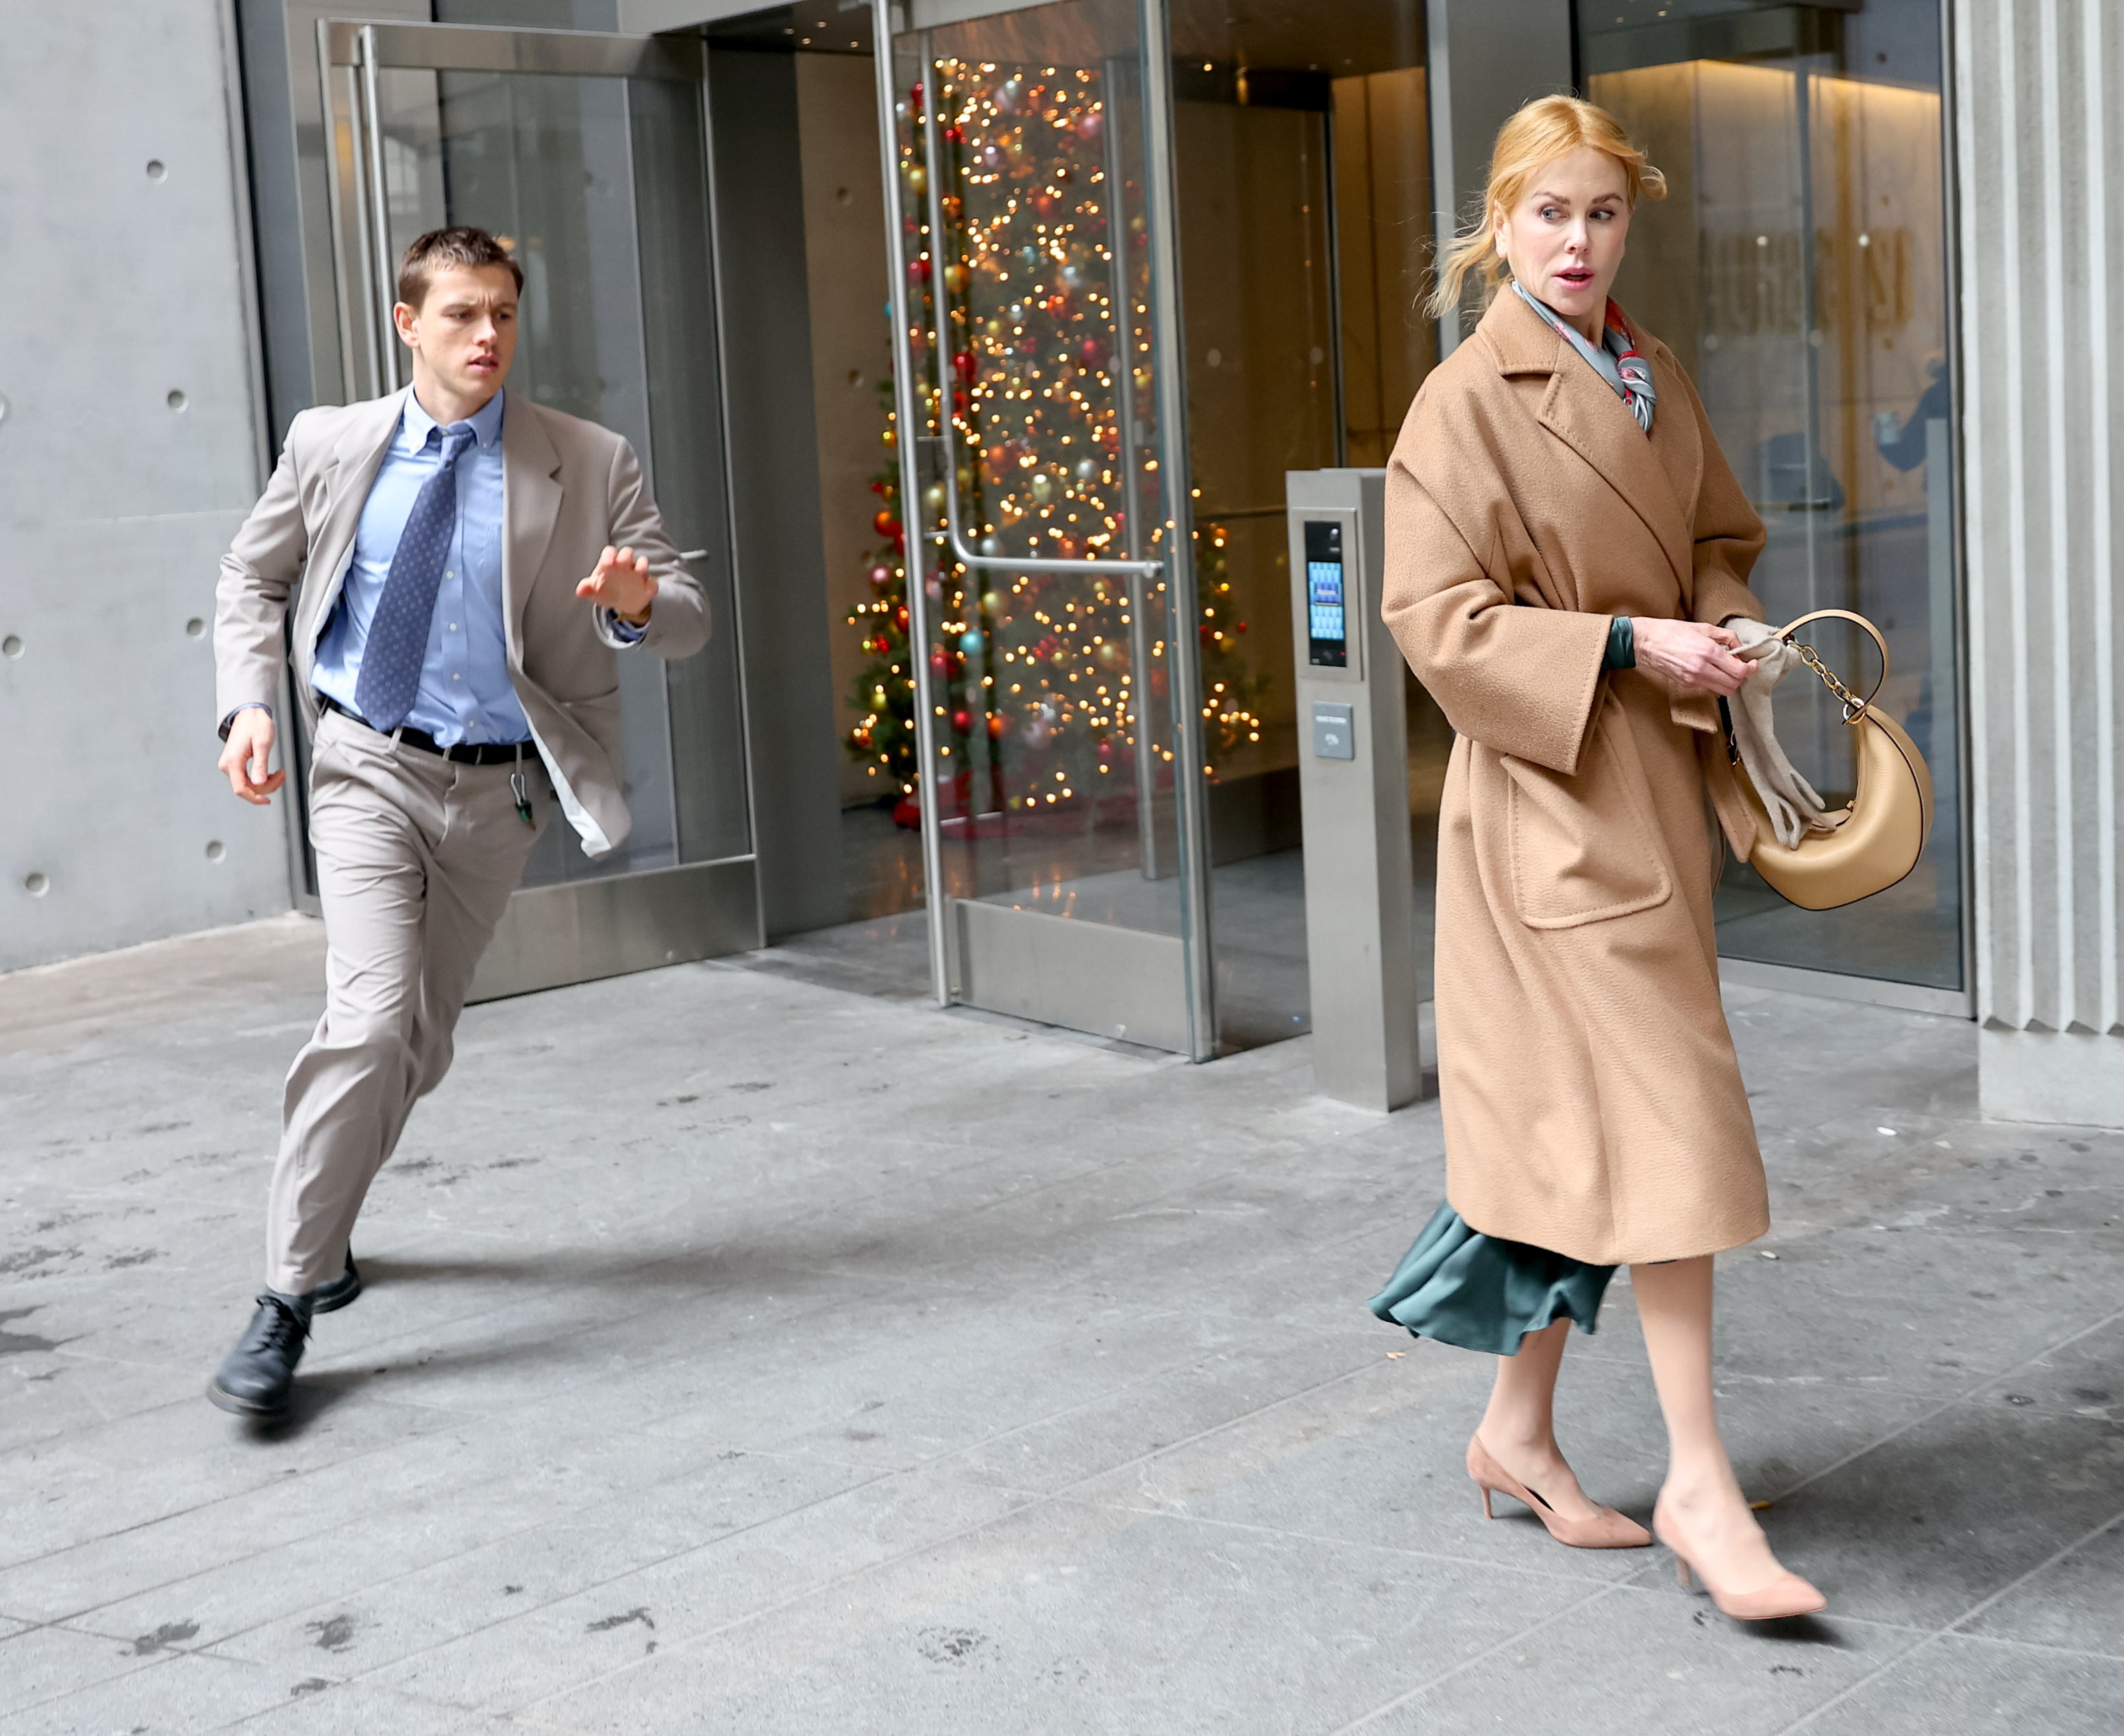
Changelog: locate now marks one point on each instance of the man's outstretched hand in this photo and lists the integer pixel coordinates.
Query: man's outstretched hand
(248, 752)
(621, 584)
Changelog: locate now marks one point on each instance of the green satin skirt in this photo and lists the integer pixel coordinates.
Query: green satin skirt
(1462, 1288)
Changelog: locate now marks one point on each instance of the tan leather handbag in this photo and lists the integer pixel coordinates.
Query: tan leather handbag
(1879, 836)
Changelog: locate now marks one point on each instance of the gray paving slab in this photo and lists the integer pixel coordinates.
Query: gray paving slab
(1975, 1687)
(2075, 1602)
(750, 1347)
(1647, 1658)
(41, 1664)
(1111, 1626)
(180, 1693)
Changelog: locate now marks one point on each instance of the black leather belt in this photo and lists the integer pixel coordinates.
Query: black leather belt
(465, 753)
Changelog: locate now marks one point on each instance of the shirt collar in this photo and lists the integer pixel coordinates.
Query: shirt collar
(485, 424)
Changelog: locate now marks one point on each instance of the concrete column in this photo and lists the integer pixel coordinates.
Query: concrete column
(1486, 57)
(2041, 249)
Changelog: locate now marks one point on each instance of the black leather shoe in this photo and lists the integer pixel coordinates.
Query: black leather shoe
(339, 1291)
(254, 1377)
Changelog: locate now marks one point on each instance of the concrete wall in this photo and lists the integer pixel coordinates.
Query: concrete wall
(129, 451)
(2041, 215)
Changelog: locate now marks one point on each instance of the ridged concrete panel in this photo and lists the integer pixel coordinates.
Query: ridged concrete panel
(2039, 123)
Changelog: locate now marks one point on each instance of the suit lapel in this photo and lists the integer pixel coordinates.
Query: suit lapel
(349, 473)
(531, 503)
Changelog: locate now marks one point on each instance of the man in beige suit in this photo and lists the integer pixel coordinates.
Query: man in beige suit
(466, 569)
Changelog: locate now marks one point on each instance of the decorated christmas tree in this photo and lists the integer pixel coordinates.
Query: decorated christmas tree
(1040, 313)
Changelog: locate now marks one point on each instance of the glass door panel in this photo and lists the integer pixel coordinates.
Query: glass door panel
(596, 181)
(1798, 269)
(586, 153)
(1050, 667)
(1302, 146)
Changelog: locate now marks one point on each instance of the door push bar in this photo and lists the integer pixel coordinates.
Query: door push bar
(953, 537)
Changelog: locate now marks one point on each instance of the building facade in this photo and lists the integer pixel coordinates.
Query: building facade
(969, 345)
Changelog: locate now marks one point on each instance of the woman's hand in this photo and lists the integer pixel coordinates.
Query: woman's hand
(1697, 659)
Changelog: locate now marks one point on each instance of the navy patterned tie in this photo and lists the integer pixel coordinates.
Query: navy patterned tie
(397, 643)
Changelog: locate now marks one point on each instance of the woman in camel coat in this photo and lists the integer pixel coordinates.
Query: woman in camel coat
(1564, 541)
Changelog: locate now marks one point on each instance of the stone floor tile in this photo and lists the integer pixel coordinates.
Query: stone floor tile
(388, 1604)
(1975, 1688)
(319, 1706)
(817, 1558)
(2076, 1604)
(1133, 1628)
(38, 1664)
(1647, 1659)
(178, 1694)
(1925, 1525)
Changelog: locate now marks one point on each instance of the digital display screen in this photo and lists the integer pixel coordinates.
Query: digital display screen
(1325, 605)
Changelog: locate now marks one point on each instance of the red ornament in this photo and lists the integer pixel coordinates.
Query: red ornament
(901, 617)
(955, 135)
(1089, 352)
(914, 97)
(919, 270)
(964, 365)
(884, 520)
(939, 664)
(959, 720)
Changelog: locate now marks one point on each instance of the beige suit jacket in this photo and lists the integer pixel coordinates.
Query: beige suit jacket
(569, 488)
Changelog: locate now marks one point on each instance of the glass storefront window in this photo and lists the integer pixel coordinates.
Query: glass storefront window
(1798, 270)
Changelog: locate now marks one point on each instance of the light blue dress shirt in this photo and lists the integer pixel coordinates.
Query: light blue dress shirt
(465, 693)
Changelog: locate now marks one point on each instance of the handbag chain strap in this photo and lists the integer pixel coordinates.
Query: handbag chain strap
(1853, 704)
(1854, 707)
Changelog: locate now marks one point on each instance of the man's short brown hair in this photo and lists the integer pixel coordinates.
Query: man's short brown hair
(458, 245)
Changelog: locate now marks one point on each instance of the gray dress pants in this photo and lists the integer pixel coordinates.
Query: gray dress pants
(417, 858)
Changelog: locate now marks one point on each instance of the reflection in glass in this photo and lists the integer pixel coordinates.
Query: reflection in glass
(548, 163)
(1050, 689)
(1302, 151)
(1798, 270)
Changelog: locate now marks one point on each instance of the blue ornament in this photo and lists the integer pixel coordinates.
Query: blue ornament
(972, 642)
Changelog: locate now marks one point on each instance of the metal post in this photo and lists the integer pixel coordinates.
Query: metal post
(1183, 611)
(1131, 461)
(379, 220)
(910, 502)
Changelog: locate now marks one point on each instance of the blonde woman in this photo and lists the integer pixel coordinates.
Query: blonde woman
(1564, 543)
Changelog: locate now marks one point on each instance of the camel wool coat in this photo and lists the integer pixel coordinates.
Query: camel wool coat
(1593, 1103)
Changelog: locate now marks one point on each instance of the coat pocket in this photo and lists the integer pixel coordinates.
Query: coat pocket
(1583, 847)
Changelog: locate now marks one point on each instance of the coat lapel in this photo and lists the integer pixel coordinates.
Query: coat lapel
(531, 503)
(1582, 409)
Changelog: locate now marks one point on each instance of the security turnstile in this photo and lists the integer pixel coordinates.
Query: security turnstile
(1360, 923)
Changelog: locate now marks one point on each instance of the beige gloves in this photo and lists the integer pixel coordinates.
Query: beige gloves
(1793, 808)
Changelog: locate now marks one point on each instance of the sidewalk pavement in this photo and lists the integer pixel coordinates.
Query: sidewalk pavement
(747, 1354)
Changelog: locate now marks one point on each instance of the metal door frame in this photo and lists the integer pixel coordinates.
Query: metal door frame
(955, 923)
(578, 931)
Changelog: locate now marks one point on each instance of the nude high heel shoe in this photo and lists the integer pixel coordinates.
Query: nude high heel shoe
(1608, 1529)
(1786, 1596)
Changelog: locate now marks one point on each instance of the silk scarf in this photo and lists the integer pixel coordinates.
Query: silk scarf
(1617, 361)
